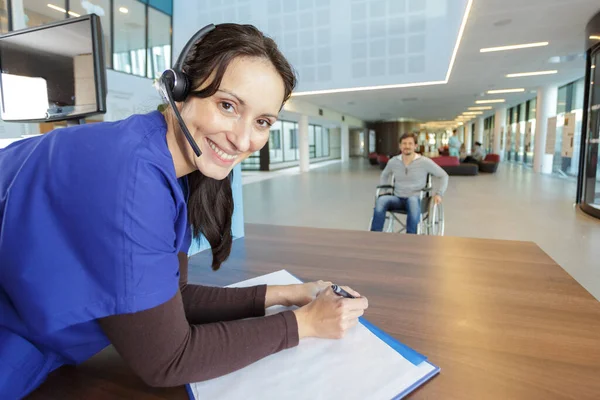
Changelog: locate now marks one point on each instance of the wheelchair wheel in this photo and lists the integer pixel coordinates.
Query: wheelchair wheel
(435, 219)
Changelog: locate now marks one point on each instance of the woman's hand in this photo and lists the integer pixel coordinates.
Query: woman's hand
(329, 315)
(294, 295)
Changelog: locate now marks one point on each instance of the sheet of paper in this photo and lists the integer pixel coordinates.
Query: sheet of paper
(359, 366)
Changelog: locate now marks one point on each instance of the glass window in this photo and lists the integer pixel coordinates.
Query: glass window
(591, 179)
(312, 151)
(290, 143)
(326, 152)
(252, 163)
(159, 43)
(275, 143)
(36, 13)
(102, 9)
(130, 37)
(319, 141)
(3, 16)
(578, 94)
(561, 106)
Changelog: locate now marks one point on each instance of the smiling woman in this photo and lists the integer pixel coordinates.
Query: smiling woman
(109, 229)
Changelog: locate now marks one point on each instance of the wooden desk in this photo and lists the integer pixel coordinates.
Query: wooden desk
(501, 319)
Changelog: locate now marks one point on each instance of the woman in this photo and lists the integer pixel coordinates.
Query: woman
(94, 234)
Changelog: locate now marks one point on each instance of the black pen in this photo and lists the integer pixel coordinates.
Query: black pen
(341, 292)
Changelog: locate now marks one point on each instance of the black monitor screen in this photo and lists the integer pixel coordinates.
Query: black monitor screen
(53, 72)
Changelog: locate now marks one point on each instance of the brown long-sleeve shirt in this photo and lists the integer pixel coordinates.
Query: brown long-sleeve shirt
(200, 333)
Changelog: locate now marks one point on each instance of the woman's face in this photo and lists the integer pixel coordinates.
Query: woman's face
(234, 122)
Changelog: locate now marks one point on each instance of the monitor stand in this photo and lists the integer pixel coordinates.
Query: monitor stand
(76, 121)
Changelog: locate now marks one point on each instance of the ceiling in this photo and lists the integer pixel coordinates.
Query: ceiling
(335, 44)
(491, 23)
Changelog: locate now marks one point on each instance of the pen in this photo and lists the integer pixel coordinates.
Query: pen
(341, 292)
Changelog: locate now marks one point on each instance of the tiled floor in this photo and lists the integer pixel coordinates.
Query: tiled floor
(513, 204)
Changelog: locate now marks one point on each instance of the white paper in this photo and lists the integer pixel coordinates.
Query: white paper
(359, 366)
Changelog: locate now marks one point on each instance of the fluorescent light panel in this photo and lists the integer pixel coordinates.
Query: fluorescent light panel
(473, 113)
(522, 74)
(57, 8)
(402, 85)
(594, 37)
(481, 108)
(514, 47)
(499, 91)
(490, 101)
(124, 10)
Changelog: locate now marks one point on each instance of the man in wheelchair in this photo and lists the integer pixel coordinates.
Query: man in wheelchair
(410, 172)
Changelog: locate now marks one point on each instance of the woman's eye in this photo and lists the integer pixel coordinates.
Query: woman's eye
(263, 123)
(227, 106)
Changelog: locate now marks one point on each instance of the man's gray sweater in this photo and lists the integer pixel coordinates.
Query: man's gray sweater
(409, 180)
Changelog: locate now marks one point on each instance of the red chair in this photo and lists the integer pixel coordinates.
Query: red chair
(373, 158)
(382, 160)
(492, 158)
(490, 163)
(446, 161)
(452, 166)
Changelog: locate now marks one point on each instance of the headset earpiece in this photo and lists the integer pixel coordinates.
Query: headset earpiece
(177, 83)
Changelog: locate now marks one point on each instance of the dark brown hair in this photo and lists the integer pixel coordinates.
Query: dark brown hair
(408, 135)
(210, 204)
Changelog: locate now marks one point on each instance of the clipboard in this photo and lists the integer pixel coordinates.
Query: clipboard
(393, 370)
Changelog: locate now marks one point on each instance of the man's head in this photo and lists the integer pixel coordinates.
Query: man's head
(408, 144)
(477, 144)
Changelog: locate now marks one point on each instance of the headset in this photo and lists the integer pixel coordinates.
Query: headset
(175, 84)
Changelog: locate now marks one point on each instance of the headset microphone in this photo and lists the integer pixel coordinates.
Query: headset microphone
(175, 84)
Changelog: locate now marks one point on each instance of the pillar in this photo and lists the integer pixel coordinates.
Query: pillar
(547, 99)
(499, 125)
(479, 125)
(303, 144)
(345, 139)
(460, 132)
(468, 135)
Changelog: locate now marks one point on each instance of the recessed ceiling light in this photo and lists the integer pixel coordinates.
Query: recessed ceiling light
(522, 74)
(473, 113)
(57, 8)
(124, 10)
(593, 66)
(514, 47)
(506, 91)
(481, 108)
(594, 37)
(460, 124)
(490, 101)
(74, 14)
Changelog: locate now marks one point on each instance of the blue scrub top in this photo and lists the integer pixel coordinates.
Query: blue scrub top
(91, 220)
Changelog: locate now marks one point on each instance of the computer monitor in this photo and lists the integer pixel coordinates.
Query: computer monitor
(53, 72)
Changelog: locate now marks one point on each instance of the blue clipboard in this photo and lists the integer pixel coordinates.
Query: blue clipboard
(411, 355)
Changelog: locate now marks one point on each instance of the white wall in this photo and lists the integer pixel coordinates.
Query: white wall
(298, 106)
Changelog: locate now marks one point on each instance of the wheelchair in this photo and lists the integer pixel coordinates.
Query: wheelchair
(432, 215)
